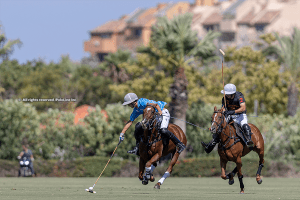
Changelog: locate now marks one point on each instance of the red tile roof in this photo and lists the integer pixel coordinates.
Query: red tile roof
(196, 17)
(268, 17)
(111, 26)
(82, 111)
(214, 18)
(144, 18)
(247, 18)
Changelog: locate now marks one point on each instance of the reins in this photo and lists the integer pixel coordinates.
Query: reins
(151, 125)
(231, 132)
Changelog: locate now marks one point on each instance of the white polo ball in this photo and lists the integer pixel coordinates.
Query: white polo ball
(91, 188)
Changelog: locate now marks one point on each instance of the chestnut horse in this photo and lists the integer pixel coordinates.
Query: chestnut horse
(232, 149)
(151, 147)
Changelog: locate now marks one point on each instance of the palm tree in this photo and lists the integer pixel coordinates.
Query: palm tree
(112, 65)
(174, 42)
(290, 53)
(6, 47)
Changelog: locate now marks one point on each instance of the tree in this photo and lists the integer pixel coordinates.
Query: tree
(174, 45)
(112, 66)
(6, 46)
(254, 77)
(290, 52)
(18, 121)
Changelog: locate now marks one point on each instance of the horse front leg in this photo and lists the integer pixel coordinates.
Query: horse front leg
(231, 175)
(223, 168)
(168, 172)
(150, 166)
(141, 169)
(240, 175)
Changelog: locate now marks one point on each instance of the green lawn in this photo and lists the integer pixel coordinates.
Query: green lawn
(132, 188)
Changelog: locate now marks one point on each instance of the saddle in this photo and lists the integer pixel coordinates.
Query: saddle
(239, 132)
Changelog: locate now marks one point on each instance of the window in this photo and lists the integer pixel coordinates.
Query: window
(105, 35)
(209, 27)
(138, 32)
(260, 27)
(101, 56)
(228, 37)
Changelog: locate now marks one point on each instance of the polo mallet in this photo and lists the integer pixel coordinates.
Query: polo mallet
(91, 189)
(223, 54)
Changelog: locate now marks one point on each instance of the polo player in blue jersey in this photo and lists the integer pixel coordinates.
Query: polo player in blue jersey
(138, 105)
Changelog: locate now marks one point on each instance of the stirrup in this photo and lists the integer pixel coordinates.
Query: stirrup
(135, 151)
(249, 143)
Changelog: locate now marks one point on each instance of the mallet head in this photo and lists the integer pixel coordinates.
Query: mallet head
(90, 190)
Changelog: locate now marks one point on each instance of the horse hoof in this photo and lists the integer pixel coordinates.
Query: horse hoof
(156, 186)
(259, 181)
(145, 182)
(231, 182)
(152, 179)
(242, 192)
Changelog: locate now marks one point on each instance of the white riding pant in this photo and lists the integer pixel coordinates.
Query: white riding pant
(241, 119)
(166, 118)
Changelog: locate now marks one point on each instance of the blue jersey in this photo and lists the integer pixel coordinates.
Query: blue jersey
(141, 103)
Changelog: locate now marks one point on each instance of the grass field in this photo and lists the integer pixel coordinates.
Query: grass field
(132, 188)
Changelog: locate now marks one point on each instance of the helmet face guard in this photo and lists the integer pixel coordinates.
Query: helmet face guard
(229, 89)
(129, 98)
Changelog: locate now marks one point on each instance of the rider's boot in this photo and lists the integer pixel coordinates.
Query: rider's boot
(174, 139)
(247, 134)
(138, 136)
(211, 145)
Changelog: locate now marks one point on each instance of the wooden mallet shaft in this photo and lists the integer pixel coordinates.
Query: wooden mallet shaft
(223, 54)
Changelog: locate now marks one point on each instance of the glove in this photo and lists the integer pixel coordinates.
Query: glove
(229, 112)
(121, 138)
(19, 157)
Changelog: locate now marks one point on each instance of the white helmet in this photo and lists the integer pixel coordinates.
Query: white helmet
(129, 98)
(229, 89)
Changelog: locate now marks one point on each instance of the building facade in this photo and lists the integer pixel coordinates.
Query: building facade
(240, 21)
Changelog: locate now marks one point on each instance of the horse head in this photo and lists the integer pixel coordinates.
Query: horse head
(148, 117)
(217, 121)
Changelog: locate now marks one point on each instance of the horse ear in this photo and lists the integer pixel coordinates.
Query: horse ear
(215, 108)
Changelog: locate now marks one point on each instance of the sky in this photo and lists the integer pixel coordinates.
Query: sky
(49, 29)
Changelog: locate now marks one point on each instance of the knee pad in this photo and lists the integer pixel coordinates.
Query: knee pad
(165, 132)
(138, 132)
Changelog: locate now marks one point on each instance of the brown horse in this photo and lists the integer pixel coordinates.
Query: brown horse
(232, 149)
(151, 147)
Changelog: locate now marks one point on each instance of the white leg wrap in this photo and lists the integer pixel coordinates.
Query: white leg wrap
(148, 171)
(166, 175)
(152, 168)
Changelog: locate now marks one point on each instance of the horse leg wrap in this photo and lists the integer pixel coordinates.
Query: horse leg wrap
(166, 175)
(259, 169)
(241, 182)
(148, 172)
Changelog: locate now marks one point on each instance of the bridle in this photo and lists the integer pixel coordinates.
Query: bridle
(149, 123)
(220, 129)
(219, 126)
